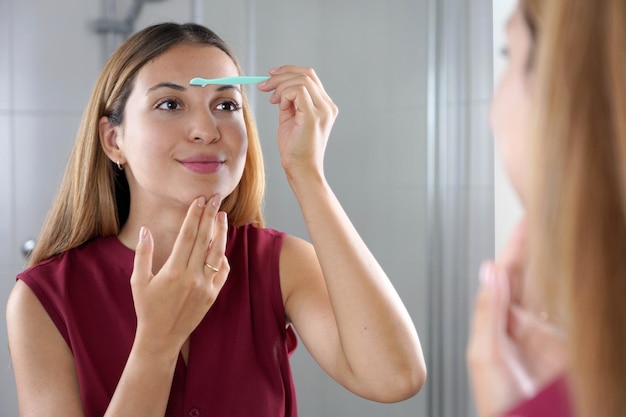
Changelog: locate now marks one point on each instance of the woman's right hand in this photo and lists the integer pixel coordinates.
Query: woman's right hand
(171, 304)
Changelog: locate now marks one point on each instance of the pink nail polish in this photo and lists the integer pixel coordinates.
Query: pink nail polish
(201, 201)
(215, 201)
(143, 233)
(487, 274)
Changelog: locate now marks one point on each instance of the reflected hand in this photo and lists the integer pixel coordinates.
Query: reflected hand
(306, 116)
(511, 353)
(171, 304)
(513, 260)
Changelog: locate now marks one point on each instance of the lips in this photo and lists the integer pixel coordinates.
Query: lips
(202, 164)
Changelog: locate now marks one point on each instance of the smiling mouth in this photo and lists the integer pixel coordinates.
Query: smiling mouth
(202, 167)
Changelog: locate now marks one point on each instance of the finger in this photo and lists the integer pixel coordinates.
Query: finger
(300, 77)
(285, 81)
(540, 343)
(490, 313)
(204, 234)
(142, 268)
(187, 236)
(216, 255)
(513, 259)
(283, 72)
(296, 98)
(307, 101)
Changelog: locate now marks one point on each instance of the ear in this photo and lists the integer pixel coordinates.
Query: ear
(109, 135)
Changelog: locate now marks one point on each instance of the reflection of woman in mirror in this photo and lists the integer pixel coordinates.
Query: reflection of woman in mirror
(155, 289)
(550, 319)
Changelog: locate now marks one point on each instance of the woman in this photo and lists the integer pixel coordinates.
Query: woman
(567, 70)
(155, 288)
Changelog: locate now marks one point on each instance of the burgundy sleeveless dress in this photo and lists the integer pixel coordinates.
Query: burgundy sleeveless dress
(552, 401)
(238, 363)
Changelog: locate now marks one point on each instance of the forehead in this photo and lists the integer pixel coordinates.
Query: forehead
(183, 62)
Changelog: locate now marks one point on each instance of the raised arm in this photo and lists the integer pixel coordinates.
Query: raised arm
(339, 299)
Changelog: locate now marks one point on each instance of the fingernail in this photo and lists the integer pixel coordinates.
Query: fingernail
(222, 216)
(215, 201)
(273, 70)
(201, 201)
(263, 84)
(487, 274)
(143, 232)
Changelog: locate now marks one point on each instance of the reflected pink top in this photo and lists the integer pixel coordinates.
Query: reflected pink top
(552, 401)
(238, 363)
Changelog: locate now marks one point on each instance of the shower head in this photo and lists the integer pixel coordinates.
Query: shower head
(125, 26)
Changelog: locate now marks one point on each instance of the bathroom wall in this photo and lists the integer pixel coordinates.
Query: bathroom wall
(508, 209)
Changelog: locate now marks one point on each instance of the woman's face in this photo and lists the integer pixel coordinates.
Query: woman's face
(177, 141)
(510, 108)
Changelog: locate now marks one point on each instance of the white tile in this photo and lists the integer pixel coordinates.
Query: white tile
(405, 53)
(405, 134)
(163, 11)
(8, 391)
(466, 62)
(480, 229)
(287, 33)
(480, 145)
(56, 56)
(232, 21)
(42, 148)
(5, 56)
(480, 50)
(7, 235)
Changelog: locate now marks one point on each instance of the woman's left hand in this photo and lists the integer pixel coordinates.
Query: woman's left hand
(306, 116)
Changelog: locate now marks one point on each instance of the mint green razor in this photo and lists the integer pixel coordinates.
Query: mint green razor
(203, 82)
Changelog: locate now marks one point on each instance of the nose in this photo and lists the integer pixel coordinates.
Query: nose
(204, 127)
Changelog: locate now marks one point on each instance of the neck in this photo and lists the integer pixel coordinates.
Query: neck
(164, 224)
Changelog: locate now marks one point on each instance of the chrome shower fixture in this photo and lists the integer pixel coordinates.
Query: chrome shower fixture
(125, 26)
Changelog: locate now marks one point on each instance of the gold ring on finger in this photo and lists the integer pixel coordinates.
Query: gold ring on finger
(211, 267)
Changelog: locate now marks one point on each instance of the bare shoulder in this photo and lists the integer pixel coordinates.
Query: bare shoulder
(298, 265)
(21, 300)
(45, 373)
(302, 283)
(25, 315)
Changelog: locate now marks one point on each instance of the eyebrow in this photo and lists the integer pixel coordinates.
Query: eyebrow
(228, 87)
(177, 87)
(166, 85)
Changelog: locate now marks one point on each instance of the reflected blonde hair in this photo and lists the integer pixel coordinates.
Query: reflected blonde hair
(577, 210)
(93, 199)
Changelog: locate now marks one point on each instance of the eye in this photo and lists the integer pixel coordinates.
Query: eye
(229, 106)
(169, 104)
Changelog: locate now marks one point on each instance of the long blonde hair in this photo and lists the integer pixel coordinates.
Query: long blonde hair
(577, 210)
(93, 199)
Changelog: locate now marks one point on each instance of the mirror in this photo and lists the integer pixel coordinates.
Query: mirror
(410, 156)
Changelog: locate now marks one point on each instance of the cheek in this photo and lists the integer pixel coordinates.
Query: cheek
(500, 108)
(509, 120)
(238, 137)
